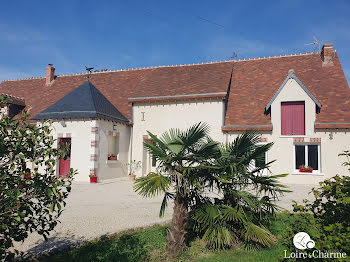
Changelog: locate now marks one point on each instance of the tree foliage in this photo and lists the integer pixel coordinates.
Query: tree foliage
(31, 195)
(221, 190)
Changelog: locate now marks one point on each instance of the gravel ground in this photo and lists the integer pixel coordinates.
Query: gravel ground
(94, 210)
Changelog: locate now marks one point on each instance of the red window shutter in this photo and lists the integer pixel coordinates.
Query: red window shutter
(293, 118)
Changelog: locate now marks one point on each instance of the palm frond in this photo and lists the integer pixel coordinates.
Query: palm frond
(258, 234)
(206, 215)
(195, 134)
(219, 236)
(233, 214)
(164, 204)
(151, 185)
(154, 150)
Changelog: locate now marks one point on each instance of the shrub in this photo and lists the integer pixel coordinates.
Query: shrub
(327, 218)
(30, 200)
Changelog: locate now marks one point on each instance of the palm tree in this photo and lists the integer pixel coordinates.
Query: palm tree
(244, 204)
(180, 156)
(222, 190)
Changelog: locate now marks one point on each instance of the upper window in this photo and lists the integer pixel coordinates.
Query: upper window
(292, 118)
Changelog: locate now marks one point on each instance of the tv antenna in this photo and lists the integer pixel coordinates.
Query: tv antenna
(234, 55)
(316, 43)
(89, 69)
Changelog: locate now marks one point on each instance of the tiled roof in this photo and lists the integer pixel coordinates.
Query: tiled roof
(86, 101)
(118, 86)
(254, 83)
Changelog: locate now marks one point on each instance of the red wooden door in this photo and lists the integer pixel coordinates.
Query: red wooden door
(64, 167)
(64, 164)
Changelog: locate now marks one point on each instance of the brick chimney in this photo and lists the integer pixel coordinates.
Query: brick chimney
(50, 74)
(327, 54)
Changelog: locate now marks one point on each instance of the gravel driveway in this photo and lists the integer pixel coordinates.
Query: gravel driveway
(94, 210)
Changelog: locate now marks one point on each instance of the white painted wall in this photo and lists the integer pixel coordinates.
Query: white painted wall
(160, 117)
(81, 149)
(113, 169)
(80, 131)
(283, 148)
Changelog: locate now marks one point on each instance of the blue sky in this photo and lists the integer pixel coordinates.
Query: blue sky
(128, 33)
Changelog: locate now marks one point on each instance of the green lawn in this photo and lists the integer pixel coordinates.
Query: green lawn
(149, 244)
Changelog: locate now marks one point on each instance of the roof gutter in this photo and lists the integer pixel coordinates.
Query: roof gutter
(217, 95)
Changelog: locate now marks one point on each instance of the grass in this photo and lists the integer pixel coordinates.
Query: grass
(149, 244)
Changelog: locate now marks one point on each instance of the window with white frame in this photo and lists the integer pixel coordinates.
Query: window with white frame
(307, 156)
(113, 145)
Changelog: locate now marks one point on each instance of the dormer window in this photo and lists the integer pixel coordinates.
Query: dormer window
(293, 118)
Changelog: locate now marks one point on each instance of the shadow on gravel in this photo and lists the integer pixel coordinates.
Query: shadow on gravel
(127, 248)
(54, 245)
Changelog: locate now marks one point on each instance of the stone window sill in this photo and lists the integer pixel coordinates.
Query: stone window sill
(307, 174)
(112, 161)
(293, 136)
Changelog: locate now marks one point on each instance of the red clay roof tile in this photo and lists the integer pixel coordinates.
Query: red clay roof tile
(253, 84)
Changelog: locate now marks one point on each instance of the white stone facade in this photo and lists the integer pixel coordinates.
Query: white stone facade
(93, 140)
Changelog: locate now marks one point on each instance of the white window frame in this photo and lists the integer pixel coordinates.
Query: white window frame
(306, 157)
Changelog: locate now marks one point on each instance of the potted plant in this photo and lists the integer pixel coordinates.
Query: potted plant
(305, 169)
(112, 157)
(133, 167)
(93, 178)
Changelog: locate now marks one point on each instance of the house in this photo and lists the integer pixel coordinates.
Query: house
(300, 102)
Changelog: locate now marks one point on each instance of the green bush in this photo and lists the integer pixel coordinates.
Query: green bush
(31, 200)
(327, 218)
(331, 213)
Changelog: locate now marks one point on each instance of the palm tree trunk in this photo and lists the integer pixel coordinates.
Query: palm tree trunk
(176, 233)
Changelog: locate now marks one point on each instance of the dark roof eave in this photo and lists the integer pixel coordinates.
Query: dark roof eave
(218, 95)
(78, 115)
(334, 125)
(233, 128)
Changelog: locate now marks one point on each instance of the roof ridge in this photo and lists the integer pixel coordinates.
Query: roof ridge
(91, 86)
(167, 66)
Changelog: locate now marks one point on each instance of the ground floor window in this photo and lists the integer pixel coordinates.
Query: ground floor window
(307, 155)
(113, 145)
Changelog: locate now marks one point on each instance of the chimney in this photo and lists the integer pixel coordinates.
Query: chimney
(327, 54)
(50, 74)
